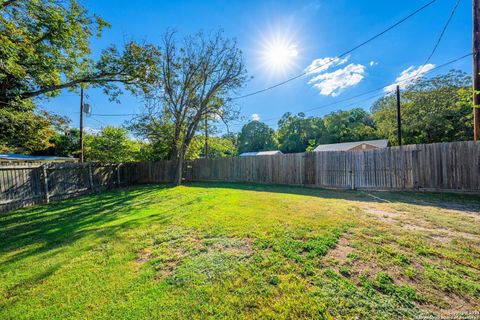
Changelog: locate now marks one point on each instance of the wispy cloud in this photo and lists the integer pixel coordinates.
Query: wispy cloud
(373, 63)
(409, 76)
(89, 130)
(331, 83)
(323, 64)
(255, 117)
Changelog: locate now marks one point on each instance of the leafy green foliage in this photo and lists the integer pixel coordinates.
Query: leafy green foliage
(23, 129)
(219, 147)
(45, 47)
(433, 110)
(352, 125)
(297, 132)
(256, 136)
(111, 144)
(65, 143)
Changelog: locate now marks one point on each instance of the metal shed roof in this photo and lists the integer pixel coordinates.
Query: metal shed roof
(345, 146)
(261, 153)
(30, 158)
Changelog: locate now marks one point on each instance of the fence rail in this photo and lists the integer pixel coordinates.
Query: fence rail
(451, 166)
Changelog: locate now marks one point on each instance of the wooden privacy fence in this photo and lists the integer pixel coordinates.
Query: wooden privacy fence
(451, 166)
(25, 184)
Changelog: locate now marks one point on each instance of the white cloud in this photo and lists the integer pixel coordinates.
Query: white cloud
(89, 130)
(409, 76)
(323, 64)
(373, 63)
(255, 117)
(330, 84)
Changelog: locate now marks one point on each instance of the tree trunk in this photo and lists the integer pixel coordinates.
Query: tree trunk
(179, 169)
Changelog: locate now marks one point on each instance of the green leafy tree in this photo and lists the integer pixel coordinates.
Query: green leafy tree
(158, 130)
(438, 109)
(233, 137)
(256, 136)
(65, 143)
(111, 144)
(45, 47)
(24, 130)
(297, 132)
(351, 125)
(219, 147)
(196, 77)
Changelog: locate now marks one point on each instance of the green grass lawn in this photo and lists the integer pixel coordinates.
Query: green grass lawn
(234, 251)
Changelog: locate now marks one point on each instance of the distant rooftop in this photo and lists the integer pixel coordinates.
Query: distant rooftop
(345, 146)
(261, 153)
(29, 158)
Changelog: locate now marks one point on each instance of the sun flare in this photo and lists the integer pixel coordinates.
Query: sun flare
(279, 54)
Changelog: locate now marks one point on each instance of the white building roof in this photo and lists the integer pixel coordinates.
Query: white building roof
(30, 158)
(345, 146)
(261, 153)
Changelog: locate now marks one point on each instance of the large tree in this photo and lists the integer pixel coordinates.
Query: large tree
(352, 125)
(196, 78)
(111, 144)
(25, 130)
(256, 136)
(296, 133)
(438, 109)
(45, 47)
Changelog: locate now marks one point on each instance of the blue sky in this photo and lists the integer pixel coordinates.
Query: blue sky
(309, 29)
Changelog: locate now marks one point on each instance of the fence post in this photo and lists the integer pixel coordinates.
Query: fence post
(45, 183)
(118, 174)
(352, 170)
(150, 180)
(90, 177)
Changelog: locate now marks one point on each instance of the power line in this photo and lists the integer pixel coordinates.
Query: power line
(98, 121)
(341, 55)
(437, 43)
(374, 90)
(335, 102)
(307, 110)
(115, 115)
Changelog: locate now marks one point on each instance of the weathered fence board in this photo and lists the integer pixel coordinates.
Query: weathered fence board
(26, 184)
(451, 166)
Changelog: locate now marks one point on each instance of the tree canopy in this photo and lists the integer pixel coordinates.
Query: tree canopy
(195, 79)
(111, 144)
(297, 132)
(351, 125)
(45, 47)
(438, 109)
(256, 136)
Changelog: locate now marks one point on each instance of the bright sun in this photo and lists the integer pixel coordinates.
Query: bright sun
(278, 54)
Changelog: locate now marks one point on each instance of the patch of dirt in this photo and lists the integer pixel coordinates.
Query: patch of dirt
(452, 305)
(384, 216)
(340, 251)
(181, 249)
(144, 256)
(440, 234)
(470, 209)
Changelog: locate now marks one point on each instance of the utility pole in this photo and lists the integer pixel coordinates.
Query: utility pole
(399, 118)
(81, 124)
(476, 70)
(206, 137)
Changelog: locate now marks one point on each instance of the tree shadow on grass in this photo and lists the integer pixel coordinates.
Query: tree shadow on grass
(455, 201)
(40, 229)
